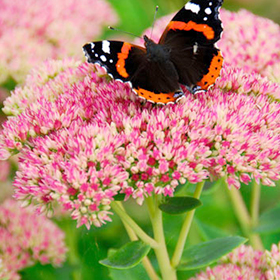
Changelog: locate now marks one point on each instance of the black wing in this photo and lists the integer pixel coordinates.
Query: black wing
(129, 63)
(191, 36)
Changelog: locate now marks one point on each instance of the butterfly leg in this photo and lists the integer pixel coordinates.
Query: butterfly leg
(179, 93)
(194, 88)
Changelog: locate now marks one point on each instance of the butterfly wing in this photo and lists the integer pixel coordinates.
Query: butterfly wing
(191, 36)
(129, 63)
(111, 55)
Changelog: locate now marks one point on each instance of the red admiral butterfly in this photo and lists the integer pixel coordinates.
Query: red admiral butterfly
(186, 55)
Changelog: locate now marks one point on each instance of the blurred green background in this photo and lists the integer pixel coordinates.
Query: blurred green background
(137, 15)
(214, 219)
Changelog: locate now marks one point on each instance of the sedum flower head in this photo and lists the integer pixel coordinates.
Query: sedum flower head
(251, 43)
(244, 263)
(27, 238)
(48, 29)
(5, 274)
(84, 139)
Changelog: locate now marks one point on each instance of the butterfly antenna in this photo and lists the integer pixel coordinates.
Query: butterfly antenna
(155, 16)
(116, 29)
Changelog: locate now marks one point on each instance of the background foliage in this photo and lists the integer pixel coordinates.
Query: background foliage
(137, 15)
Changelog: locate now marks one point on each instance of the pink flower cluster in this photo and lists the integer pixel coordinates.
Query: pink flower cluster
(34, 30)
(84, 139)
(245, 264)
(248, 41)
(26, 238)
(251, 43)
(6, 274)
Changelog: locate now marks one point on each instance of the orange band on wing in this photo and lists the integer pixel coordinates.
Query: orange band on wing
(122, 56)
(156, 97)
(207, 31)
(213, 72)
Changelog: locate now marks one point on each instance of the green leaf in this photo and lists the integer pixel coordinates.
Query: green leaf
(205, 253)
(269, 221)
(127, 256)
(135, 273)
(179, 204)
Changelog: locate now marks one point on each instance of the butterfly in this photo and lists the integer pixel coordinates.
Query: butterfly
(186, 55)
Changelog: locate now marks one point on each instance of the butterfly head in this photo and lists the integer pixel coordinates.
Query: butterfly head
(156, 52)
(147, 40)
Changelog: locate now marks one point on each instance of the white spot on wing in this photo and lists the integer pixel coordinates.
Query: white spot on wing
(195, 48)
(208, 11)
(92, 46)
(111, 60)
(96, 55)
(106, 46)
(192, 7)
(103, 58)
(205, 18)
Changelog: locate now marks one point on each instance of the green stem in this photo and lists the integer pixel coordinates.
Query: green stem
(244, 218)
(146, 262)
(71, 237)
(185, 229)
(134, 226)
(167, 271)
(255, 203)
(149, 269)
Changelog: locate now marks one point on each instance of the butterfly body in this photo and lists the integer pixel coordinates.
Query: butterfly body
(156, 52)
(185, 55)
